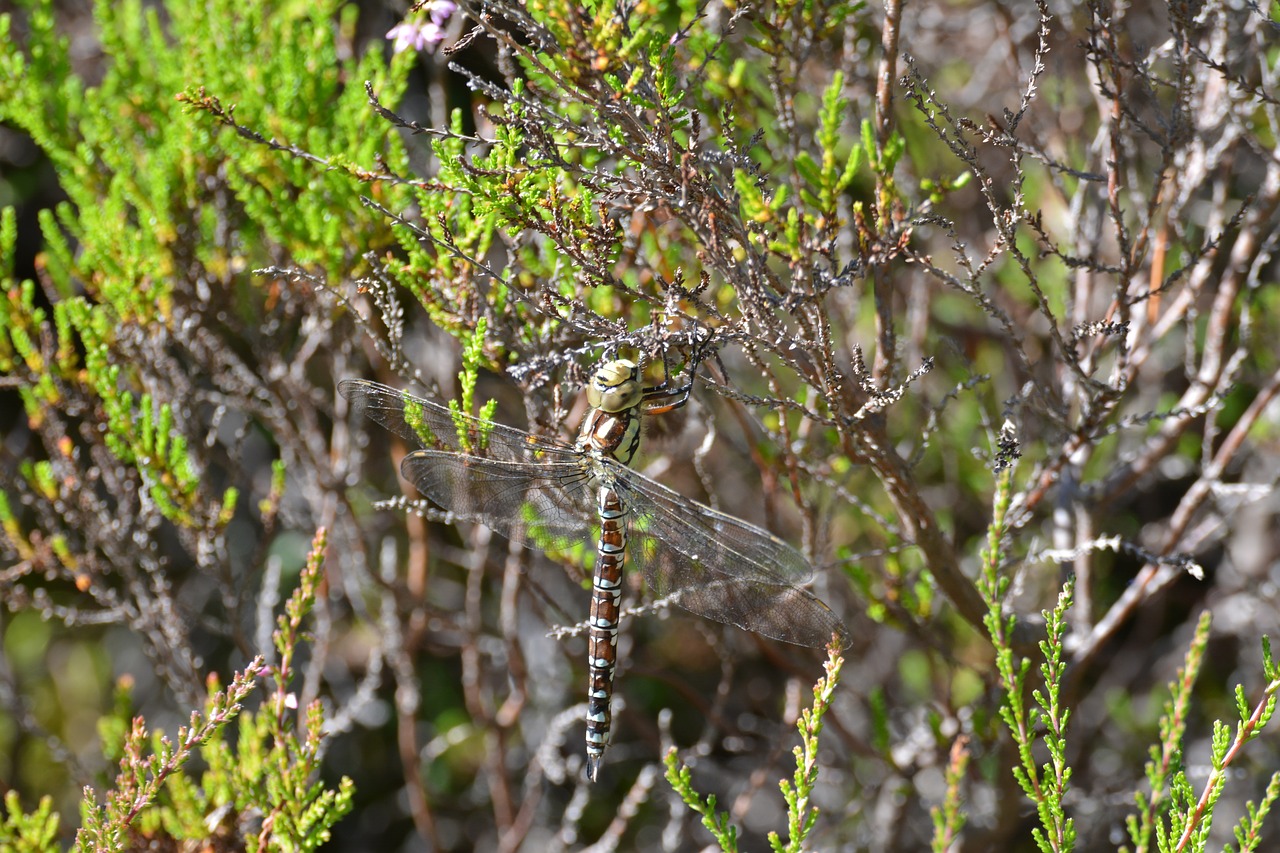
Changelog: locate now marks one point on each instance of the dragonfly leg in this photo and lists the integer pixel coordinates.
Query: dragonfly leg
(662, 398)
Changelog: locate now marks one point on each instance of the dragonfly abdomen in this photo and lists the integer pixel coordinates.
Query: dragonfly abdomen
(602, 636)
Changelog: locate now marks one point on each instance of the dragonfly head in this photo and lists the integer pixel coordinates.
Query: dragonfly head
(615, 387)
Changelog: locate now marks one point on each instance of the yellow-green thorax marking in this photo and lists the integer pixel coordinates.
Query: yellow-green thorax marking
(612, 427)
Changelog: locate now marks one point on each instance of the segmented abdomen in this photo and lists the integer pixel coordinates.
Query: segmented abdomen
(602, 636)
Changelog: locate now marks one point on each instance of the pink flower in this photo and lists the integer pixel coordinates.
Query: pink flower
(423, 34)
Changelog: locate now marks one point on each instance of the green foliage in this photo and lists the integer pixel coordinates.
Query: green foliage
(414, 418)
(140, 227)
(270, 772)
(1172, 811)
(542, 188)
(1171, 815)
(107, 826)
(165, 213)
(134, 166)
(472, 359)
(802, 816)
(827, 181)
(949, 818)
(270, 504)
(717, 823)
(136, 169)
(1248, 832)
(1166, 758)
(1045, 785)
(34, 832)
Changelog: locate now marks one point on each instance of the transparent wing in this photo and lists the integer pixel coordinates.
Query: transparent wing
(541, 493)
(535, 491)
(721, 567)
(546, 505)
(431, 425)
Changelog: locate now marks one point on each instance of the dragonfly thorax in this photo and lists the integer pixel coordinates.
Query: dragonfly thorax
(615, 387)
(612, 426)
(609, 434)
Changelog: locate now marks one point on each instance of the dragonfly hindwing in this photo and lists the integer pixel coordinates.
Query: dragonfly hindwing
(577, 551)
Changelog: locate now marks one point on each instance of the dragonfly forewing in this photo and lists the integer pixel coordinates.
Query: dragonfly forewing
(545, 506)
(431, 425)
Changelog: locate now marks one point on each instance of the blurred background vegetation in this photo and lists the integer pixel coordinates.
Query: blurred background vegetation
(920, 239)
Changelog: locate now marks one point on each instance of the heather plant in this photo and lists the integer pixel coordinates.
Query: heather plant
(977, 301)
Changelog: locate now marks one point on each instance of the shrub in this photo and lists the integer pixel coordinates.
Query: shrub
(980, 311)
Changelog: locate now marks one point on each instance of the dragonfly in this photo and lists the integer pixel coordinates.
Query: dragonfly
(552, 496)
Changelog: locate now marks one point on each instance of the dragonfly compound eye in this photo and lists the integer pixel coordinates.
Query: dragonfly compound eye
(615, 387)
